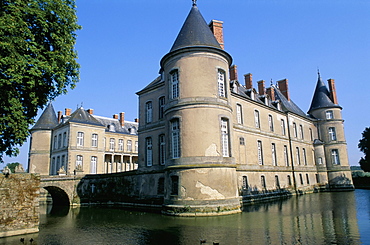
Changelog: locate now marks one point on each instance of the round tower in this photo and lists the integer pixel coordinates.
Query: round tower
(200, 174)
(325, 109)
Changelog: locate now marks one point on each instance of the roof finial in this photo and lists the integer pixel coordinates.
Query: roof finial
(194, 2)
(271, 82)
(318, 72)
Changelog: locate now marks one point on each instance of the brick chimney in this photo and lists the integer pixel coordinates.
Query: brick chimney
(216, 27)
(122, 119)
(67, 111)
(115, 116)
(333, 92)
(283, 87)
(137, 120)
(261, 87)
(90, 111)
(248, 81)
(60, 114)
(233, 73)
(271, 93)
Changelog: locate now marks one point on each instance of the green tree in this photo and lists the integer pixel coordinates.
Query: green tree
(37, 62)
(364, 146)
(12, 166)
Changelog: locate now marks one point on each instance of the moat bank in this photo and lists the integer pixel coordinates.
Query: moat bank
(323, 218)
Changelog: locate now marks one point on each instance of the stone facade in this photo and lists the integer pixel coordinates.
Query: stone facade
(82, 143)
(19, 204)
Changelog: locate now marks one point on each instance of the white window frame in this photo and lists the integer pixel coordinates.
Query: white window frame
(271, 123)
(221, 80)
(174, 81)
(298, 156)
(286, 157)
(295, 132)
(301, 132)
(259, 152)
(149, 151)
(129, 145)
(93, 164)
(335, 157)
(304, 156)
(112, 144)
(148, 112)
(225, 137)
(239, 113)
(175, 138)
(282, 123)
(332, 134)
(120, 144)
(161, 104)
(273, 154)
(162, 149)
(257, 119)
(329, 114)
(80, 138)
(94, 140)
(79, 161)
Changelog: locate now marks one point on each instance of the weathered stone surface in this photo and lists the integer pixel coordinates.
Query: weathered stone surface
(19, 204)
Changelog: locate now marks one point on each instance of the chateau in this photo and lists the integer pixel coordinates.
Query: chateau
(206, 138)
(82, 143)
(207, 141)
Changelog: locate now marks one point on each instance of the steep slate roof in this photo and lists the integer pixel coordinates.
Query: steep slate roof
(321, 97)
(47, 120)
(288, 105)
(195, 32)
(82, 116)
(128, 128)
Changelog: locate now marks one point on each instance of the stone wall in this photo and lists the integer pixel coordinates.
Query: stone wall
(19, 204)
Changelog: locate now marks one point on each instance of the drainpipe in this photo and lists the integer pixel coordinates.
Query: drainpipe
(291, 154)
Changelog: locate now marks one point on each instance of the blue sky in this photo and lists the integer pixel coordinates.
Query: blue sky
(122, 42)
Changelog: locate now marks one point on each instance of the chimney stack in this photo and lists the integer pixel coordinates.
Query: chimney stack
(137, 120)
(217, 30)
(122, 119)
(233, 73)
(333, 92)
(67, 111)
(60, 114)
(248, 81)
(261, 87)
(283, 87)
(115, 116)
(271, 93)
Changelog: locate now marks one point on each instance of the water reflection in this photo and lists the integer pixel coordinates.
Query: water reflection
(325, 218)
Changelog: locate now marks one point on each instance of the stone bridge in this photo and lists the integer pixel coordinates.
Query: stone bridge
(62, 189)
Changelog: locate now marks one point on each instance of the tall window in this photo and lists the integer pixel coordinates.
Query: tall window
(148, 112)
(58, 163)
(136, 146)
(60, 141)
(93, 164)
(332, 134)
(257, 118)
(245, 182)
(282, 124)
(55, 142)
(318, 178)
(79, 162)
(161, 103)
(112, 144)
(289, 181)
(80, 139)
(298, 157)
(160, 189)
(225, 137)
(149, 151)
(304, 156)
(162, 149)
(175, 185)
(263, 182)
(301, 179)
(94, 140)
(329, 115)
(259, 151)
(175, 138)
(319, 160)
(301, 131)
(335, 156)
(307, 179)
(120, 144)
(64, 139)
(311, 135)
(273, 153)
(271, 123)
(277, 182)
(221, 83)
(239, 115)
(286, 159)
(174, 84)
(64, 162)
(129, 145)
(295, 130)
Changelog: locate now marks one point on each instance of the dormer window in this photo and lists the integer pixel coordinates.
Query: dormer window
(111, 128)
(329, 115)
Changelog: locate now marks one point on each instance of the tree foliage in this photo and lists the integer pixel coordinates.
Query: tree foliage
(364, 146)
(12, 166)
(37, 62)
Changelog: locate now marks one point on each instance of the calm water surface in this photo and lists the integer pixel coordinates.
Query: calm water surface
(325, 218)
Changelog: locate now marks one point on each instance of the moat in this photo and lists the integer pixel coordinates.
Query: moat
(324, 218)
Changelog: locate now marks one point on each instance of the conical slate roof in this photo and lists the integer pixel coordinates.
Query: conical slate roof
(321, 97)
(195, 32)
(47, 120)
